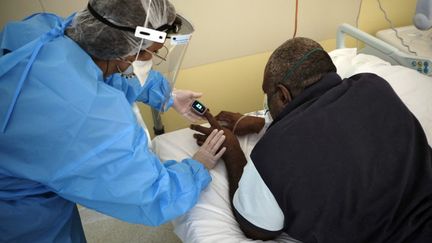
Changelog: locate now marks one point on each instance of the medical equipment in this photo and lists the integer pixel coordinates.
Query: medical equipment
(419, 42)
(150, 34)
(198, 108)
(211, 219)
(385, 51)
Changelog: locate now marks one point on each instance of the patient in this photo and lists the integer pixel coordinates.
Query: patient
(342, 161)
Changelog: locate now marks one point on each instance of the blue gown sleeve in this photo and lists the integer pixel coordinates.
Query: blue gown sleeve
(127, 181)
(112, 170)
(99, 157)
(151, 193)
(156, 91)
(2, 50)
(72, 134)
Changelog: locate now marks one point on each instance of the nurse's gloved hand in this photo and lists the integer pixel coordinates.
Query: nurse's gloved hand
(231, 142)
(183, 100)
(209, 152)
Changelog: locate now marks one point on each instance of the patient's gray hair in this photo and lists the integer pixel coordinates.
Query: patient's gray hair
(297, 64)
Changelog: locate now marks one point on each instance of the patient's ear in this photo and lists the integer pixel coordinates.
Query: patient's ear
(284, 94)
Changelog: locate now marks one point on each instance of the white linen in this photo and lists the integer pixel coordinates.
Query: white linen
(211, 220)
(254, 201)
(414, 88)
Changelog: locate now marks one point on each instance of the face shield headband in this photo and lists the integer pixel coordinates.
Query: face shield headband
(157, 35)
(179, 32)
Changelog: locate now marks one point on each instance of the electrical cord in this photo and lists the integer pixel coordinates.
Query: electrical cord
(237, 122)
(358, 13)
(395, 30)
(296, 20)
(357, 21)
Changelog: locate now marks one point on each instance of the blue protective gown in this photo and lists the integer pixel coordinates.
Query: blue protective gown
(67, 136)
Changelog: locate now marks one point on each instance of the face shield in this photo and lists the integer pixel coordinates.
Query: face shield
(167, 60)
(175, 48)
(174, 36)
(162, 27)
(175, 39)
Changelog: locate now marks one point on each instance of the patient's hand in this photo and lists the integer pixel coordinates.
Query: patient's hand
(239, 124)
(231, 142)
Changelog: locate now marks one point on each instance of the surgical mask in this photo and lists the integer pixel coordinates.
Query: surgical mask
(141, 69)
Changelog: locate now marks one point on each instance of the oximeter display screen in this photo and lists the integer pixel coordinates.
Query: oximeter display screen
(198, 107)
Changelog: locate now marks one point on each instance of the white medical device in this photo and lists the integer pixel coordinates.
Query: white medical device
(419, 42)
(150, 34)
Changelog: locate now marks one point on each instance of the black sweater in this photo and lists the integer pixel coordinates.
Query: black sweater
(348, 162)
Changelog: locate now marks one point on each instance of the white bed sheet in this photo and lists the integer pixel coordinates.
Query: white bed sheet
(414, 88)
(211, 220)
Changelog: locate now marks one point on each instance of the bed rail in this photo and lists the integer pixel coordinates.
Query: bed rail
(377, 47)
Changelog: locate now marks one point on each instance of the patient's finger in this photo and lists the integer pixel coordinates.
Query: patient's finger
(212, 120)
(200, 137)
(199, 142)
(201, 129)
(223, 116)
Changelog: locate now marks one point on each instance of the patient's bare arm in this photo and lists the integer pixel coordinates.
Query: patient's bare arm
(235, 161)
(234, 157)
(240, 124)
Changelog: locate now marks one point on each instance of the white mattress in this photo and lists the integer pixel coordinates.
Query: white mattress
(211, 220)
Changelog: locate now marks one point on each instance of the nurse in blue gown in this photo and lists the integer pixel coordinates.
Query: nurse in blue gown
(67, 131)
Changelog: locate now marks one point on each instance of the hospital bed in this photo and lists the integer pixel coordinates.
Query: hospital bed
(395, 54)
(211, 220)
